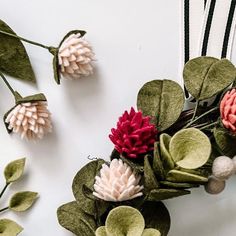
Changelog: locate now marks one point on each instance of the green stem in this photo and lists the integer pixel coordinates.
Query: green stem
(4, 189)
(25, 40)
(195, 110)
(208, 126)
(4, 209)
(200, 117)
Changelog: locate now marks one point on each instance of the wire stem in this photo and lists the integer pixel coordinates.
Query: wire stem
(209, 126)
(4, 209)
(4, 189)
(25, 40)
(195, 110)
(7, 84)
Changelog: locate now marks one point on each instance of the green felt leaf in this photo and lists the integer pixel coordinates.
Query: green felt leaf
(204, 77)
(178, 176)
(150, 181)
(151, 232)
(163, 101)
(14, 59)
(190, 148)
(166, 158)
(86, 176)
(9, 228)
(172, 185)
(156, 216)
(74, 219)
(136, 166)
(14, 170)
(225, 142)
(163, 194)
(125, 220)
(22, 201)
(101, 231)
(157, 163)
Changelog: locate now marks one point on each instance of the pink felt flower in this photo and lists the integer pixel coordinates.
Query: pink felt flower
(134, 134)
(228, 110)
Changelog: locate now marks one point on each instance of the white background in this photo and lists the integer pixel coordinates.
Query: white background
(135, 41)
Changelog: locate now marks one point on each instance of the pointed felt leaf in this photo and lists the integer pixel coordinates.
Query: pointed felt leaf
(125, 220)
(190, 148)
(225, 142)
(178, 176)
(136, 166)
(204, 77)
(156, 216)
(163, 101)
(14, 59)
(163, 194)
(157, 163)
(74, 219)
(150, 181)
(9, 228)
(167, 184)
(151, 232)
(14, 170)
(86, 176)
(166, 158)
(101, 231)
(22, 201)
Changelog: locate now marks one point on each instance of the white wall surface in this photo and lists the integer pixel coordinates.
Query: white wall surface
(135, 41)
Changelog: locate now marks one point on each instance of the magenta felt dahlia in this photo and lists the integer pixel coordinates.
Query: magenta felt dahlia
(228, 110)
(134, 134)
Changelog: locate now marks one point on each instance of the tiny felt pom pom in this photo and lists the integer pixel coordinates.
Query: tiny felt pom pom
(223, 167)
(214, 185)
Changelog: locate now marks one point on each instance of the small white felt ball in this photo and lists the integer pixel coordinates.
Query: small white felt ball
(223, 167)
(214, 185)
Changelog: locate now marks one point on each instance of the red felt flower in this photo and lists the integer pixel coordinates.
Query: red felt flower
(134, 134)
(228, 110)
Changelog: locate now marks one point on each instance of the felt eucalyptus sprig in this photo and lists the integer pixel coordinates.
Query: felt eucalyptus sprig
(19, 202)
(161, 152)
(72, 58)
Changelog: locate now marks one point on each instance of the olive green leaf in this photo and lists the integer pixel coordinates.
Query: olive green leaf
(86, 176)
(190, 148)
(163, 194)
(125, 220)
(225, 142)
(150, 181)
(74, 219)
(157, 163)
(14, 59)
(22, 201)
(163, 101)
(101, 231)
(136, 166)
(172, 185)
(14, 170)
(178, 176)
(156, 216)
(204, 77)
(166, 158)
(151, 232)
(9, 228)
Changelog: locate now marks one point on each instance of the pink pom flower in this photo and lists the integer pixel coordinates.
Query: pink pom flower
(134, 134)
(228, 110)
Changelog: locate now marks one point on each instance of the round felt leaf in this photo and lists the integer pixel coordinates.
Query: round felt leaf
(156, 216)
(151, 232)
(22, 201)
(190, 148)
(157, 163)
(125, 220)
(101, 231)
(74, 219)
(14, 59)
(86, 176)
(204, 77)
(14, 170)
(9, 228)
(163, 101)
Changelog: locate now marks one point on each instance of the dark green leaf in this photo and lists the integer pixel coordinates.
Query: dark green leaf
(225, 142)
(157, 163)
(136, 166)
(156, 216)
(204, 77)
(163, 101)
(163, 194)
(9, 228)
(172, 185)
(86, 176)
(22, 201)
(14, 59)
(14, 170)
(74, 219)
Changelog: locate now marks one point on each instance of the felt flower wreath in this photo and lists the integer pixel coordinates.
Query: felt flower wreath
(161, 152)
